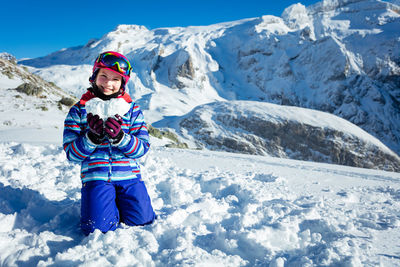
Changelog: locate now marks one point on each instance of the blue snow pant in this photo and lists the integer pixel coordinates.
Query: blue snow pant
(105, 204)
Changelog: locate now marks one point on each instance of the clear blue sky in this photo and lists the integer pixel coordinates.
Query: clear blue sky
(33, 28)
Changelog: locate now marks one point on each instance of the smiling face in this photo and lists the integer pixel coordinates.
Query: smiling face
(108, 81)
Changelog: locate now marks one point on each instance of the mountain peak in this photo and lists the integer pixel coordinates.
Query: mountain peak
(296, 16)
(7, 56)
(125, 28)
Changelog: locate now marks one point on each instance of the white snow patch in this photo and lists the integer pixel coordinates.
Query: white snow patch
(108, 108)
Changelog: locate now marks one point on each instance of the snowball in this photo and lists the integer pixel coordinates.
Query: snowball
(108, 108)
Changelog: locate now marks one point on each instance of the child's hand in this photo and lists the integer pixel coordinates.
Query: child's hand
(113, 128)
(96, 129)
(95, 124)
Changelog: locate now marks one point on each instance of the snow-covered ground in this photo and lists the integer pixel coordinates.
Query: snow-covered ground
(214, 209)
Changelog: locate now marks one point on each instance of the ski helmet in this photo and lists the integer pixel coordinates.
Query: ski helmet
(115, 62)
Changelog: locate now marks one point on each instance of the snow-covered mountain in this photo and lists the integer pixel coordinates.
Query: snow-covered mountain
(259, 128)
(249, 127)
(338, 56)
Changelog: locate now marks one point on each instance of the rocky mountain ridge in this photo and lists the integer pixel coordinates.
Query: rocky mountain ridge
(30, 86)
(259, 128)
(32, 109)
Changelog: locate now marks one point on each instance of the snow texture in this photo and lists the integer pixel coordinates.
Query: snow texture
(214, 208)
(108, 108)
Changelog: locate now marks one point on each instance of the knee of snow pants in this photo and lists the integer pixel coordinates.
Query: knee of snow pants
(105, 204)
(98, 207)
(134, 203)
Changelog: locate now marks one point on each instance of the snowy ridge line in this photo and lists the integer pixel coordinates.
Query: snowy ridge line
(281, 113)
(214, 208)
(253, 127)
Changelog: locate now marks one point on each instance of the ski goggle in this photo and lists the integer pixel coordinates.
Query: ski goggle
(115, 62)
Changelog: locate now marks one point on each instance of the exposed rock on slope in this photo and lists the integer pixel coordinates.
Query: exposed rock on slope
(27, 100)
(29, 84)
(287, 132)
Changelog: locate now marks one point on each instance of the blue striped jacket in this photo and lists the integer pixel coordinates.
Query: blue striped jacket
(105, 161)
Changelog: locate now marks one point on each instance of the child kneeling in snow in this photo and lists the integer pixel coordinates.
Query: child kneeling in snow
(105, 131)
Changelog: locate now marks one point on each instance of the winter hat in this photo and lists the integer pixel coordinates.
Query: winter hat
(115, 62)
